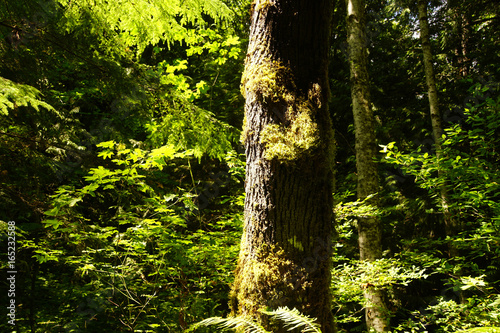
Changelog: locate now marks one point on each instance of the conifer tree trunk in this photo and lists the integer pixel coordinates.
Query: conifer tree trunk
(369, 228)
(437, 127)
(286, 244)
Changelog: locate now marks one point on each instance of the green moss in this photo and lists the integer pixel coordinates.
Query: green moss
(264, 281)
(269, 81)
(288, 143)
(296, 243)
(261, 4)
(298, 134)
(245, 132)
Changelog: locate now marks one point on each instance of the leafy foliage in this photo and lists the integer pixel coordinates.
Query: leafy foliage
(107, 133)
(118, 162)
(470, 166)
(141, 257)
(154, 22)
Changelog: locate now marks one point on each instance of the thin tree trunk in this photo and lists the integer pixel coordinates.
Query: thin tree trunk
(462, 16)
(437, 127)
(286, 245)
(369, 228)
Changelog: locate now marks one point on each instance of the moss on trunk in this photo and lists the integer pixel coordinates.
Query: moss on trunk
(286, 244)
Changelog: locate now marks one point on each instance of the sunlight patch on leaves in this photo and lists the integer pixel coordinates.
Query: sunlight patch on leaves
(132, 26)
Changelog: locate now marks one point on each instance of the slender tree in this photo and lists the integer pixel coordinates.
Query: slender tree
(461, 21)
(369, 228)
(437, 127)
(451, 225)
(285, 248)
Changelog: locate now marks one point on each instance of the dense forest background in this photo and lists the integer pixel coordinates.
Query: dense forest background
(122, 168)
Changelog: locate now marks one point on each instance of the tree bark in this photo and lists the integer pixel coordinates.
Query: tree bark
(369, 228)
(437, 127)
(286, 245)
(461, 12)
(451, 226)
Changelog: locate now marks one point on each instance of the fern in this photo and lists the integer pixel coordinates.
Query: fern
(241, 322)
(14, 94)
(294, 319)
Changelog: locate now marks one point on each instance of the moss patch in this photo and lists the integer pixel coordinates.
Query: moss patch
(268, 280)
(262, 5)
(290, 142)
(270, 81)
(297, 133)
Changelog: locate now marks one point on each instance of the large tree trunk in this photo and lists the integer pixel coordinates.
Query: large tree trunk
(286, 244)
(369, 228)
(437, 127)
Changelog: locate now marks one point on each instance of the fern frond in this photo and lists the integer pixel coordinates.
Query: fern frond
(294, 319)
(14, 94)
(239, 323)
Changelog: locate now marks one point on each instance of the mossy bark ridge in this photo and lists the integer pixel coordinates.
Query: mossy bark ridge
(286, 244)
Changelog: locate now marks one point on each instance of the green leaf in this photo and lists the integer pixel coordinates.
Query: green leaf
(52, 223)
(107, 144)
(105, 154)
(73, 201)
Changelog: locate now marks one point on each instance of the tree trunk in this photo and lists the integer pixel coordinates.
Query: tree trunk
(461, 12)
(369, 228)
(286, 245)
(437, 127)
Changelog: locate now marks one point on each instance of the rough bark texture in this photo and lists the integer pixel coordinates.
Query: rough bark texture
(369, 228)
(286, 244)
(437, 127)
